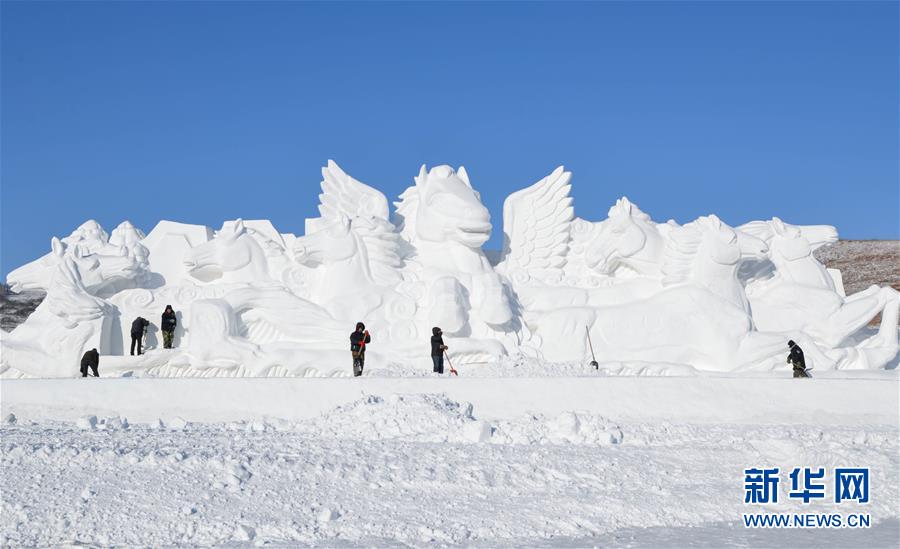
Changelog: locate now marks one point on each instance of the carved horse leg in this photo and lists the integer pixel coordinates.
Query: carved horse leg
(856, 312)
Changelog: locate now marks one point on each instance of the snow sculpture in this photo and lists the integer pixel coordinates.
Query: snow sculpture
(122, 258)
(793, 291)
(70, 320)
(252, 301)
(444, 223)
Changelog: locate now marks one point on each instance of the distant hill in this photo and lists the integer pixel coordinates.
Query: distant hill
(862, 263)
(15, 308)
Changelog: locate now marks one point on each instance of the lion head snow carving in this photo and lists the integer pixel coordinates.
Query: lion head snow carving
(443, 206)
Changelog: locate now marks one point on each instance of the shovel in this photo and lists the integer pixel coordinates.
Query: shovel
(452, 371)
(593, 358)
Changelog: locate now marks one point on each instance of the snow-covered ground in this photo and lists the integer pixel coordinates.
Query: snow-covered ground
(476, 461)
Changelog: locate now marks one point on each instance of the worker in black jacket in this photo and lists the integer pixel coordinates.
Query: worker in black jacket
(358, 340)
(91, 359)
(795, 357)
(167, 326)
(437, 350)
(138, 329)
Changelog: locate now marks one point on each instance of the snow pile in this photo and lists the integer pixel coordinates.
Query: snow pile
(422, 417)
(437, 418)
(567, 427)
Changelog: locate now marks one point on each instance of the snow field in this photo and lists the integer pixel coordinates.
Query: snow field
(392, 467)
(869, 397)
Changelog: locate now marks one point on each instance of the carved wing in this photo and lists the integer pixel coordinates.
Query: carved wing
(536, 224)
(341, 194)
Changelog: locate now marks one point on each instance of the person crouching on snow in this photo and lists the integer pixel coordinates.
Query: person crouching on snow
(796, 359)
(358, 340)
(91, 359)
(138, 329)
(437, 350)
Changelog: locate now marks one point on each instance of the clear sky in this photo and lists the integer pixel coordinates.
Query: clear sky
(202, 112)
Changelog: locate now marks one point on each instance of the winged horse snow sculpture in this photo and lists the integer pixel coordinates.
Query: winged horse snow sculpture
(553, 259)
(445, 224)
(699, 318)
(354, 253)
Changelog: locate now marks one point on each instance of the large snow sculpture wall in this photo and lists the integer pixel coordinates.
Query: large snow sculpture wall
(253, 301)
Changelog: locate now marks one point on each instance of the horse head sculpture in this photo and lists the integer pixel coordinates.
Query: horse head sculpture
(628, 237)
(443, 206)
(791, 249)
(232, 256)
(707, 252)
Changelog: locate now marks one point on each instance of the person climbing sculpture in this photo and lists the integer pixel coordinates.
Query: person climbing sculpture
(91, 359)
(795, 357)
(358, 340)
(167, 326)
(138, 329)
(437, 350)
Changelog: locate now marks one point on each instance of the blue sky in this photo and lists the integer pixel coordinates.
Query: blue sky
(202, 112)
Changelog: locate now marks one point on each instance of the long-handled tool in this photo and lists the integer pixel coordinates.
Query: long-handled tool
(452, 371)
(593, 358)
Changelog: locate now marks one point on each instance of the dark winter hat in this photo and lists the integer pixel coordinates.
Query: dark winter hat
(360, 326)
(791, 343)
(168, 307)
(435, 330)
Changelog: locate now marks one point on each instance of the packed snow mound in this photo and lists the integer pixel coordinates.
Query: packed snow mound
(252, 301)
(437, 418)
(419, 417)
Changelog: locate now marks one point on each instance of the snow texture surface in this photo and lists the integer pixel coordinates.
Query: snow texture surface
(423, 469)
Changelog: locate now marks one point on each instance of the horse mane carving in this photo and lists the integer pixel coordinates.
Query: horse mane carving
(682, 247)
(405, 214)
